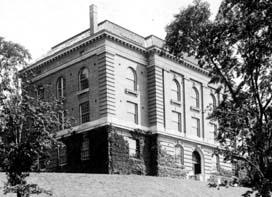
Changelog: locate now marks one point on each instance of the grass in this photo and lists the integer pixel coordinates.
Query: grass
(98, 185)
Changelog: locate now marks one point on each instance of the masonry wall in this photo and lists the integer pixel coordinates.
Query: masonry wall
(123, 59)
(107, 62)
(167, 71)
(167, 165)
(122, 96)
(98, 153)
(120, 161)
(73, 97)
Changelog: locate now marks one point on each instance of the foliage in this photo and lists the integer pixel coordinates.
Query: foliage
(26, 189)
(27, 123)
(235, 48)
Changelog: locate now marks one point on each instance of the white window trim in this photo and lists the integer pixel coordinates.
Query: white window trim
(197, 128)
(80, 111)
(134, 80)
(179, 121)
(177, 91)
(196, 98)
(136, 115)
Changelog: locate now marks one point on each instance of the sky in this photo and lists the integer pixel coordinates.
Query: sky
(40, 24)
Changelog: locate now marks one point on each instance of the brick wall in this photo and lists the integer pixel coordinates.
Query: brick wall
(72, 98)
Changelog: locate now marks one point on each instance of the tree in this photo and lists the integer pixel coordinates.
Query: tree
(235, 48)
(28, 124)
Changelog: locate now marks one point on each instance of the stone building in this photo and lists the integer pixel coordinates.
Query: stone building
(137, 109)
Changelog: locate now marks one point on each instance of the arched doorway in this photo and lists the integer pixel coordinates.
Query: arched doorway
(196, 163)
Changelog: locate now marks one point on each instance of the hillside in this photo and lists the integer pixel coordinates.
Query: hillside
(96, 185)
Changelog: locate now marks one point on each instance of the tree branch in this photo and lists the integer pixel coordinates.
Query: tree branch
(250, 163)
(226, 81)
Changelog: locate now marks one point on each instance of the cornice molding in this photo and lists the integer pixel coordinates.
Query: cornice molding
(82, 43)
(111, 36)
(64, 52)
(163, 53)
(125, 42)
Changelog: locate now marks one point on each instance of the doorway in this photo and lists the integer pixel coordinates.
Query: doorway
(196, 163)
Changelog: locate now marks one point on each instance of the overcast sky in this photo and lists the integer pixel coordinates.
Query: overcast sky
(40, 24)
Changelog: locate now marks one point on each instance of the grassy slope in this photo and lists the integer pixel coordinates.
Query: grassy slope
(95, 185)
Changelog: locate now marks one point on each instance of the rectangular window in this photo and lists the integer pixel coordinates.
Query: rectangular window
(196, 126)
(60, 87)
(176, 119)
(179, 155)
(62, 155)
(84, 112)
(85, 148)
(134, 147)
(132, 112)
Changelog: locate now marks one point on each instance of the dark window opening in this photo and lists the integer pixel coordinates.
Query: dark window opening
(84, 112)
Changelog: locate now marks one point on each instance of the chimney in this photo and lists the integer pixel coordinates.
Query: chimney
(93, 19)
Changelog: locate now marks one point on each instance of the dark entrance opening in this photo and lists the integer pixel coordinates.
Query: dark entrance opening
(196, 163)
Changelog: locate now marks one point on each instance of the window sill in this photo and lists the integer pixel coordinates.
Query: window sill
(85, 159)
(83, 91)
(174, 102)
(194, 109)
(179, 165)
(62, 164)
(131, 92)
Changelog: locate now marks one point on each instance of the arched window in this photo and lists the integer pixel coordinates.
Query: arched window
(213, 101)
(179, 155)
(60, 87)
(195, 97)
(175, 90)
(83, 79)
(131, 79)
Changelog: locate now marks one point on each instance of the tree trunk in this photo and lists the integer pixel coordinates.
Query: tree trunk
(19, 194)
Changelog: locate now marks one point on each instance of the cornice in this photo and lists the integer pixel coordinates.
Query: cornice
(66, 51)
(125, 42)
(82, 43)
(163, 53)
(115, 38)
